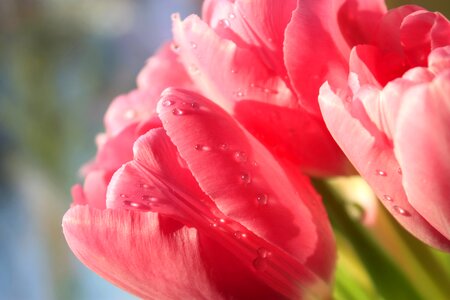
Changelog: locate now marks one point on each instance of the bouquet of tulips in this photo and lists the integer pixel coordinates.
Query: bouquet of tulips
(217, 177)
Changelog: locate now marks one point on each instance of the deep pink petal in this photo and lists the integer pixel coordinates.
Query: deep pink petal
(358, 20)
(295, 135)
(365, 61)
(225, 72)
(130, 250)
(372, 155)
(315, 50)
(156, 181)
(422, 146)
(421, 32)
(241, 182)
(94, 188)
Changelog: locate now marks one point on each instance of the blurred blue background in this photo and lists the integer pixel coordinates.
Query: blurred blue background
(61, 63)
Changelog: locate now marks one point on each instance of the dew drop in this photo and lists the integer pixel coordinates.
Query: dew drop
(399, 171)
(195, 105)
(401, 211)
(381, 173)
(245, 178)
(213, 225)
(270, 91)
(224, 23)
(149, 198)
(240, 235)
(167, 103)
(144, 185)
(260, 263)
(193, 69)
(177, 112)
(240, 156)
(263, 252)
(233, 71)
(224, 147)
(175, 47)
(174, 16)
(135, 205)
(239, 94)
(231, 16)
(262, 199)
(202, 147)
(388, 198)
(123, 196)
(130, 114)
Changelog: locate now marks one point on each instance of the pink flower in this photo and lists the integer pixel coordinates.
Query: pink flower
(236, 57)
(184, 203)
(392, 117)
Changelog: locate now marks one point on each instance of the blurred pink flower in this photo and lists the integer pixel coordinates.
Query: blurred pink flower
(392, 117)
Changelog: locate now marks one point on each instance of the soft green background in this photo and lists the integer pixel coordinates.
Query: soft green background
(61, 63)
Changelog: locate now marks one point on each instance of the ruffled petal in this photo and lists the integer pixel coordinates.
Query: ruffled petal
(439, 60)
(372, 155)
(225, 72)
(422, 146)
(163, 70)
(315, 50)
(241, 180)
(131, 250)
(296, 136)
(241, 22)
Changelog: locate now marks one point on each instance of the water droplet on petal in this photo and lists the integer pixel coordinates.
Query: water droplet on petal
(222, 221)
(231, 15)
(202, 147)
(233, 71)
(239, 94)
(123, 196)
(195, 105)
(399, 171)
(144, 185)
(175, 47)
(135, 205)
(263, 252)
(178, 112)
(262, 199)
(401, 211)
(260, 263)
(175, 16)
(213, 225)
(224, 147)
(240, 235)
(240, 156)
(245, 178)
(380, 173)
(388, 198)
(167, 103)
(130, 114)
(224, 23)
(193, 45)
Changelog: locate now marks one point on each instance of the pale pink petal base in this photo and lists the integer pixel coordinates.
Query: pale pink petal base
(132, 251)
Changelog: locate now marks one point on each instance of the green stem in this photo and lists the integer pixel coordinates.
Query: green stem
(386, 276)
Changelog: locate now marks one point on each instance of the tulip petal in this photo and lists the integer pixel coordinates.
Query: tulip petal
(131, 250)
(224, 71)
(439, 60)
(156, 181)
(297, 136)
(241, 183)
(163, 70)
(310, 60)
(422, 148)
(372, 155)
(241, 22)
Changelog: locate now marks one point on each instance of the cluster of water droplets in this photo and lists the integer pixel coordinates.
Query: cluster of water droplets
(142, 202)
(181, 111)
(388, 198)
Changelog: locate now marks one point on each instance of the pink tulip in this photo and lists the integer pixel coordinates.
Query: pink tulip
(392, 117)
(202, 211)
(235, 56)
